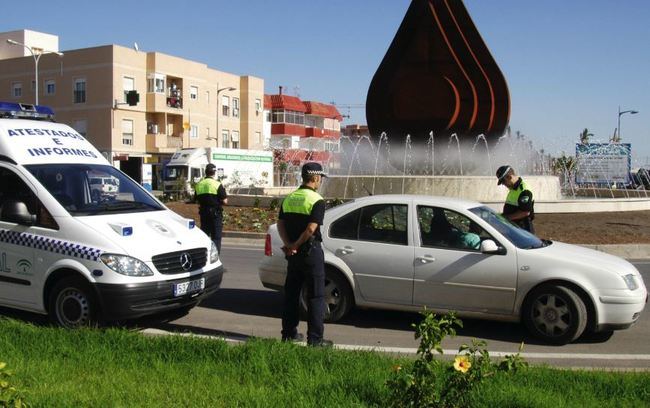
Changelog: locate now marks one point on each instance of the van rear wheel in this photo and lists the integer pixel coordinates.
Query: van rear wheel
(72, 304)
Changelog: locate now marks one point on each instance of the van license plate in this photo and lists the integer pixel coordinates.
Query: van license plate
(184, 288)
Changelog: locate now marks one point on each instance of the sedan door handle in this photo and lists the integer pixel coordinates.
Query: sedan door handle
(426, 259)
(346, 250)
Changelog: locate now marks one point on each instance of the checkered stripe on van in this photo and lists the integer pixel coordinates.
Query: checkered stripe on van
(50, 245)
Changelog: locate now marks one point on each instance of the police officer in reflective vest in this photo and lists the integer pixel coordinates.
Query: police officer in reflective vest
(301, 215)
(211, 196)
(519, 205)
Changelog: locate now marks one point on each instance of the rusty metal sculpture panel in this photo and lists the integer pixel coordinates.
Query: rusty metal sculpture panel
(438, 76)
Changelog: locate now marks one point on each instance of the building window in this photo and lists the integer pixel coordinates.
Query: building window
(234, 138)
(225, 138)
(225, 105)
(331, 147)
(194, 132)
(127, 132)
(258, 106)
(80, 90)
(267, 116)
(156, 83)
(235, 107)
(258, 137)
(194, 92)
(277, 116)
(128, 84)
(50, 87)
(281, 116)
(17, 89)
(80, 126)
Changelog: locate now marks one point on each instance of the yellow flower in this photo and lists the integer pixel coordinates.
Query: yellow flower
(462, 364)
(397, 368)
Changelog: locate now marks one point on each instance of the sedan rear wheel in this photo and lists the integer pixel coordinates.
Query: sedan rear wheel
(555, 314)
(338, 297)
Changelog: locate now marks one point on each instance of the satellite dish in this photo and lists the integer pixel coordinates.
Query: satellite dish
(135, 46)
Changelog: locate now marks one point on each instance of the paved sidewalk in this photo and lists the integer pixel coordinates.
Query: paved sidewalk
(627, 251)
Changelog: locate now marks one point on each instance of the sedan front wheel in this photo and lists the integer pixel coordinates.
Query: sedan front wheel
(555, 314)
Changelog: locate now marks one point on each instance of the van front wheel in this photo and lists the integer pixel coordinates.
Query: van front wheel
(73, 304)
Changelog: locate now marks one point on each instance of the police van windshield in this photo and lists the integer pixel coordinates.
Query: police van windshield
(91, 189)
(519, 237)
(173, 173)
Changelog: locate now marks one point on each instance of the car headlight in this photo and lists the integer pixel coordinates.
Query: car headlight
(126, 265)
(630, 281)
(214, 254)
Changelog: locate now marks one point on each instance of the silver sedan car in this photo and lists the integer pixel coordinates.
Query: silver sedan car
(405, 252)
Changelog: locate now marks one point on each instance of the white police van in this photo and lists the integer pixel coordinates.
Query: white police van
(81, 258)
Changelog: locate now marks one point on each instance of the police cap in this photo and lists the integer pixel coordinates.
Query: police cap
(502, 172)
(313, 169)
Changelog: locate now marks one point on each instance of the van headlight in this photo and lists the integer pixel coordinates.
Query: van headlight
(631, 282)
(214, 254)
(126, 265)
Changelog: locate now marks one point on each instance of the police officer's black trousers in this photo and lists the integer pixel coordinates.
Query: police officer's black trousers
(212, 224)
(308, 270)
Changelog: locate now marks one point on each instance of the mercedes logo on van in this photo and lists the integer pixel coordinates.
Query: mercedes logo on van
(186, 261)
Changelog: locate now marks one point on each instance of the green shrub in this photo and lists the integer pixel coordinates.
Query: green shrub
(429, 382)
(274, 204)
(9, 395)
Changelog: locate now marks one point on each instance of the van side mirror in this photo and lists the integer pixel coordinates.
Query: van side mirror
(490, 247)
(17, 212)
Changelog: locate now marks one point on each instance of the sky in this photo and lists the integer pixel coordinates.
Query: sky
(569, 64)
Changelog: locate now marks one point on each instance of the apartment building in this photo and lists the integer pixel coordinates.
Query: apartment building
(302, 131)
(182, 103)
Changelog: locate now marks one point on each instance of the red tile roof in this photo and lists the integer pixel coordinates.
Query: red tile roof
(322, 109)
(294, 103)
(299, 156)
(288, 103)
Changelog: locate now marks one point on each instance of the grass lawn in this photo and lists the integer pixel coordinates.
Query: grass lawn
(115, 367)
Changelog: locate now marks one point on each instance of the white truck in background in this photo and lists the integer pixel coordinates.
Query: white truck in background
(235, 168)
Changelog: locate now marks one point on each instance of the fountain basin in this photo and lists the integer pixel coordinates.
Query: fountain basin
(477, 188)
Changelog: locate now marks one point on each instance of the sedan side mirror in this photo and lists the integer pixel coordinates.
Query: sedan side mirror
(17, 212)
(490, 247)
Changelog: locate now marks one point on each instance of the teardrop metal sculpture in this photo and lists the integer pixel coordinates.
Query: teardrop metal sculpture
(438, 76)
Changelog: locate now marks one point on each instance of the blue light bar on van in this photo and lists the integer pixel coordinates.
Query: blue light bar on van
(15, 110)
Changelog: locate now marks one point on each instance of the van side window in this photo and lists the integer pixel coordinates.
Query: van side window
(14, 188)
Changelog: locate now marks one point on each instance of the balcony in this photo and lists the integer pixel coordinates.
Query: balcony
(162, 143)
(175, 102)
(159, 102)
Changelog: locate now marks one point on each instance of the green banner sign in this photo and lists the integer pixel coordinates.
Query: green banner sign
(241, 157)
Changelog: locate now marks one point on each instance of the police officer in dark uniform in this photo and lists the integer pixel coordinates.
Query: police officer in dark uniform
(519, 205)
(211, 196)
(301, 215)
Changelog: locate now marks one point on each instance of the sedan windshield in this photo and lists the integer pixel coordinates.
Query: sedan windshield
(519, 237)
(90, 189)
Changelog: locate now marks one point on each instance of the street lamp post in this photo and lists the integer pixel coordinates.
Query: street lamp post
(219, 90)
(618, 127)
(36, 54)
